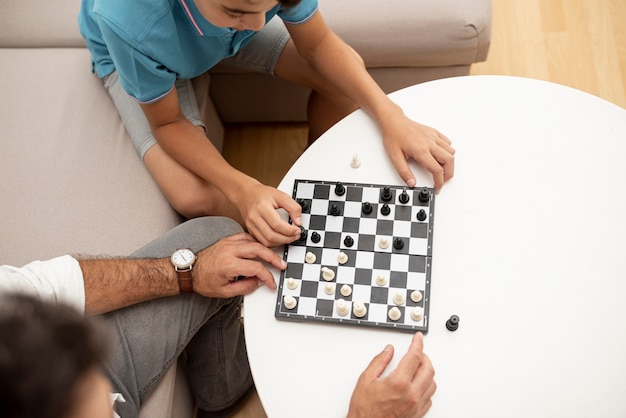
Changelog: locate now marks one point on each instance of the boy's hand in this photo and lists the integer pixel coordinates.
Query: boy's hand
(258, 205)
(404, 139)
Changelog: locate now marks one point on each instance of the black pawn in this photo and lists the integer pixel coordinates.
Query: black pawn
(398, 244)
(334, 210)
(421, 215)
(385, 194)
(303, 204)
(404, 197)
(453, 323)
(385, 209)
(302, 234)
(348, 241)
(424, 195)
(366, 207)
(340, 189)
(315, 237)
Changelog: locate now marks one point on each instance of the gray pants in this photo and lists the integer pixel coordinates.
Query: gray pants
(150, 336)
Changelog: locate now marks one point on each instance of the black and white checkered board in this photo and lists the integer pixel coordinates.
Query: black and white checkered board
(405, 270)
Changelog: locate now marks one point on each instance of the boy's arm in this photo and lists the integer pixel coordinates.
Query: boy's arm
(344, 69)
(256, 202)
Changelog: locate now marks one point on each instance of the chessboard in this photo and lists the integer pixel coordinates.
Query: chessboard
(363, 257)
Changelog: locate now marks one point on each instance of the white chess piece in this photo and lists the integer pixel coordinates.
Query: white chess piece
(342, 307)
(355, 162)
(290, 302)
(327, 274)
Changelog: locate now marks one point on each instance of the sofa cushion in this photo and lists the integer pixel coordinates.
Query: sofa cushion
(71, 179)
(416, 33)
(36, 23)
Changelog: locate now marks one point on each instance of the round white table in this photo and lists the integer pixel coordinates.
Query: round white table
(529, 251)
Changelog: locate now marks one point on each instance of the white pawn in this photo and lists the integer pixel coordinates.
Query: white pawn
(417, 314)
(359, 309)
(329, 288)
(398, 298)
(310, 258)
(292, 283)
(342, 258)
(342, 307)
(355, 162)
(290, 302)
(394, 314)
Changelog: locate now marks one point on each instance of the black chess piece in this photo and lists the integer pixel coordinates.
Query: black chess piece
(453, 323)
(385, 210)
(348, 241)
(303, 233)
(398, 244)
(385, 194)
(404, 197)
(334, 210)
(315, 237)
(340, 190)
(424, 195)
(303, 204)
(421, 215)
(366, 207)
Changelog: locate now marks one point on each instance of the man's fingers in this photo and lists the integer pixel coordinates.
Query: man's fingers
(412, 359)
(241, 287)
(379, 363)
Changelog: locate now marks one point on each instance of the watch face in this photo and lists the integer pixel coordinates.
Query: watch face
(183, 258)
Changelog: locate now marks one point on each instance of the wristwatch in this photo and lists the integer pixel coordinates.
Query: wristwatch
(183, 260)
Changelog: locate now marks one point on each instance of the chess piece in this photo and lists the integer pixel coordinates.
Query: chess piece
(385, 210)
(334, 210)
(302, 234)
(453, 323)
(398, 244)
(424, 195)
(355, 162)
(366, 207)
(421, 215)
(303, 204)
(385, 194)
(404, 197)
(348, 241)
(340, 190)
(417, 314)
(315, 237)
(290, 302)
(292, 283)
(394, 314)
(342, 307)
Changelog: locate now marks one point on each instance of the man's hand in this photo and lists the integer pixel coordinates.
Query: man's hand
(233, 266)
(258, 204)
(404, 139)
(405, 393)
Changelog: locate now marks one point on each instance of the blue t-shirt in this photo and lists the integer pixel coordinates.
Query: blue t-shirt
(151, 43)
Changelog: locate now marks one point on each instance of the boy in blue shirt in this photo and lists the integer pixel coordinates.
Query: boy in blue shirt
(150, 49)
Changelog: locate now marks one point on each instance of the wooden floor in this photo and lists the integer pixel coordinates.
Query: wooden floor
(577, 43)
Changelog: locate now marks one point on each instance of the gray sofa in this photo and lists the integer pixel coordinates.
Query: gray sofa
(70, 180)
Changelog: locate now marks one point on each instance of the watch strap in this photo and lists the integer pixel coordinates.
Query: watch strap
(185, 281)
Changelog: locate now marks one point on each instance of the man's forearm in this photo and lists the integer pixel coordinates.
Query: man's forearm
(115, 283)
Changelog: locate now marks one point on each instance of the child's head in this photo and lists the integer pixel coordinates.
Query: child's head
(239, 14)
